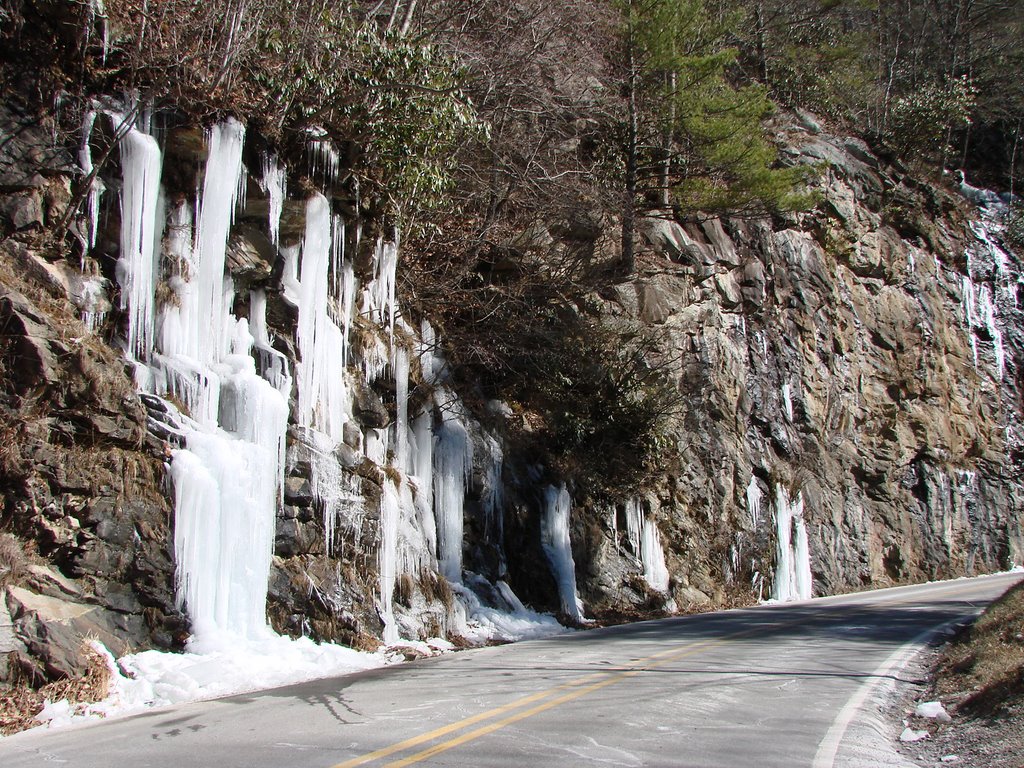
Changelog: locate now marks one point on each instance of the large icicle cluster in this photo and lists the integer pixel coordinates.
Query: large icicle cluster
(988, 291)
(234, 391)
(227, 474)
(645, 540)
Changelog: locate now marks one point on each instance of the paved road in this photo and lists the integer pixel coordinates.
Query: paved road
(769, 686)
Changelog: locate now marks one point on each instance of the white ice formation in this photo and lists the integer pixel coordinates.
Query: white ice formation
(558, 548)
(234, 395)
(645, 541)
(792, 552)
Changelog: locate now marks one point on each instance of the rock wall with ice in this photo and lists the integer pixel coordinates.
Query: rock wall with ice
(849, 381)
(850, 400)
(316, 444)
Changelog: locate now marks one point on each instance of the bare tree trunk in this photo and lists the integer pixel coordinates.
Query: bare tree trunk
(1013, 159)
(762, 46)
(666, 148)
(407, 21)
(632, 129)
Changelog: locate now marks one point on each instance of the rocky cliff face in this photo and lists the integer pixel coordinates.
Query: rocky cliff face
(851, 374)
(848, 412)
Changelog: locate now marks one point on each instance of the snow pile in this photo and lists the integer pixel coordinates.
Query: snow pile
(933, 710)
(510, 622)
(220, 664)
(909, 734)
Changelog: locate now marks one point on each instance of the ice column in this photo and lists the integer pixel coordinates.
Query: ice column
(140, 236)
(453, 463)
(274, 183)
(422, 475)
(645, 541)
(390, 513)
(400, 365)
(754, 497)
(323, 398)
(554, 531)
(493, 501)
(793, 560)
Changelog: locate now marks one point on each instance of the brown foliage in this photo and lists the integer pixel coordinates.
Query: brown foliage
(20, 703)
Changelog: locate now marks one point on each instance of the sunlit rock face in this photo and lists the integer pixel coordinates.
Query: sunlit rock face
(852, 411)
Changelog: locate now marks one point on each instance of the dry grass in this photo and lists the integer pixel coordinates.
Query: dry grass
(984, 666)
(20, 703)
(14, 560)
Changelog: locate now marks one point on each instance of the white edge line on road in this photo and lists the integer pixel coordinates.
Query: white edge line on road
(829, 747)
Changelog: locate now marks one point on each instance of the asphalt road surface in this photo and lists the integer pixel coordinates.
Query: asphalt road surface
(780, 685)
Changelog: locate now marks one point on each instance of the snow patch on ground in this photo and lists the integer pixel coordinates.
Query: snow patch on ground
(225, 664)
(219, 665)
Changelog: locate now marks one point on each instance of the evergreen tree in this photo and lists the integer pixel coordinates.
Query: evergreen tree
(693, 140)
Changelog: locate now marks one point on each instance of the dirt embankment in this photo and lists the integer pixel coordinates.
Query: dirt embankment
(979, 679)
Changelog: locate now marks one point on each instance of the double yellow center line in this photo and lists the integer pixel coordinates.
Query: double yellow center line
(534, 704)
(541, 701)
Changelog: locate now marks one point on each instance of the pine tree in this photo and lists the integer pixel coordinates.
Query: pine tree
(693, 141)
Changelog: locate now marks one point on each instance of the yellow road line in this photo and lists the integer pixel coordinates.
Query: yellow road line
(487, 715)
(491, 727)
(465, 723)
(609, 678)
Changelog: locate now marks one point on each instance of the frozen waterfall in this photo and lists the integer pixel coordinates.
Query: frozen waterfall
(793, 558)
(233, 387)
(554, 529)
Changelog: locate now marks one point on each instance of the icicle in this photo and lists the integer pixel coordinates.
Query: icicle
(324, 159)
(787, 401)
(987, 312)
(382, 308)
(453, 463)
(91, 300)
(633, 522)
(337, 256)
(274, 183)
(221, 183)
(645, 542)
(348, 292)
(323, 399)
(493, 501)
(273, 364)
(96, 185)
(98, 10)
(423, 475)
(401, 370)
(653, 557)
(140, 236)
(558, 548)
(793, 561)
(754, 497)
(388, 558)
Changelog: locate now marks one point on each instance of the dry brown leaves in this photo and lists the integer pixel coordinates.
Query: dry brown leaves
(20, 703)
